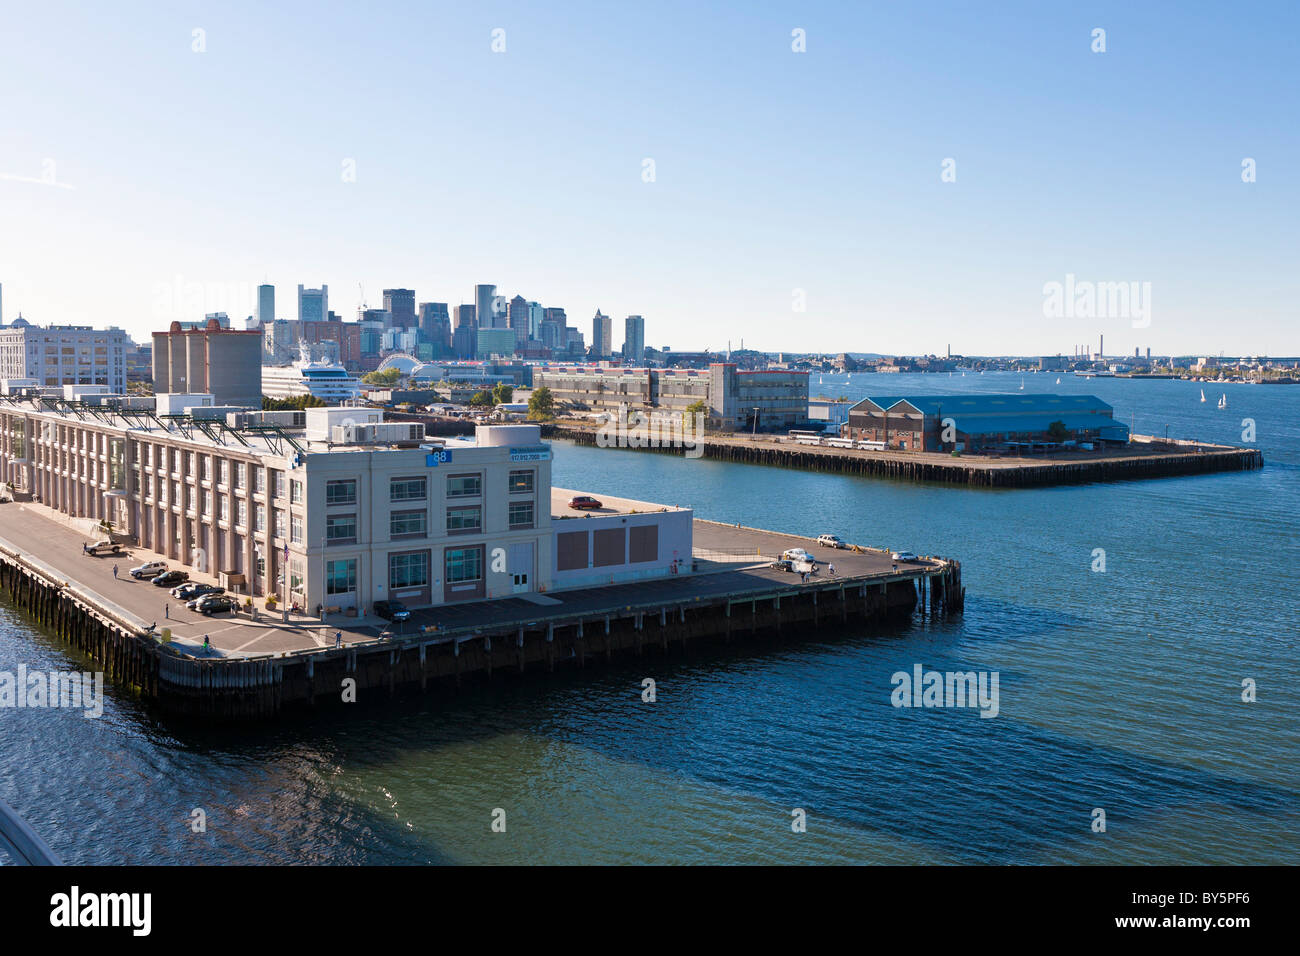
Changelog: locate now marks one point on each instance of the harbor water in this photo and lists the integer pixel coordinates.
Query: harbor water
(1120, 689)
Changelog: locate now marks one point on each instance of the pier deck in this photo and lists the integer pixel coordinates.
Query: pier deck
(732, 563)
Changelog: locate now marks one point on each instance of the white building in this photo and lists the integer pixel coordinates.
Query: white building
(64, 354)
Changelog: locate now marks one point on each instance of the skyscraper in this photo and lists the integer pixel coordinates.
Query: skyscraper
(265, 304)
(313, 304)
(400, 304)
(489, 313)
(535, 312)
(435, 323)
(602, 333)
(518, 317)
(633, 338)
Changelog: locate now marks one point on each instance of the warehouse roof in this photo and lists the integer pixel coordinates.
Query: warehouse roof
(1014, 403)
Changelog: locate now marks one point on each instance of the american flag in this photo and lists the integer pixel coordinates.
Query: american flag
(286, 552)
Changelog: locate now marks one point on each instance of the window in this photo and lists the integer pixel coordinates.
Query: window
(241, 513)
(521, 514)
(223, 508)
(341, 529)
(410, 570)
(207, 502)
(223, 472)
(239, 474)
(464, 564)
(259, 480)
(464, 520)
(408, 524)
(407, 489)
(521, 482)
(295, 492)
(295, 528)
(341, 492)
(278, 483)
(277, 526)
(189, 498)
(464, 486)
(205, 471)
(259, 517)
(341, 576)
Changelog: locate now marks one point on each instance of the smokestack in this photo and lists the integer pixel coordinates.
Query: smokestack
(1101, 346)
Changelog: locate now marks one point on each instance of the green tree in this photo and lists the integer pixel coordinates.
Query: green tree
(503, 393)
(541, 405)
(295, 403)
(1057, 431)
(389, 376)
(698, 408)
(482, 399)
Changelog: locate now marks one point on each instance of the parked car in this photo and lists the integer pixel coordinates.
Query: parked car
(796, 554)
(170, 579)
(830, 541)
(584, 503)
(781, 564)
(904, 556)
(392, 610)
(214, 604)
(194, 589)
(149, 570)
(102, 547)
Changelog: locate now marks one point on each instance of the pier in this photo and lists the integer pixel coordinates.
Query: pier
(1145, 457)
(257, 669)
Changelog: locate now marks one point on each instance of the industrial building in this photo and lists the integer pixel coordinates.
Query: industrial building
(333, 506)
(733, 396)
(981, 422)
(56, 355)
(224, 362)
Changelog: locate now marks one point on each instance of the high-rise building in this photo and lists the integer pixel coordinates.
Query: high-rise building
(518, 313)
(634, 338)
(490, 312)
(535, 313)
(602, 334)
(400, 304)
(313, 304)
(435, 323)
(265, 304)
(222, 319)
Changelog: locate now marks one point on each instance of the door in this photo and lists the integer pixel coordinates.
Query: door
(521, 567)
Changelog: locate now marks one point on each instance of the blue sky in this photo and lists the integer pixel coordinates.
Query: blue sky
(194, 176)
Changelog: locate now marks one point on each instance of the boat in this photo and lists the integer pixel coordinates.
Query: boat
(1022, 384)
(1202, 394)
(1223, 400)
(1058, 381)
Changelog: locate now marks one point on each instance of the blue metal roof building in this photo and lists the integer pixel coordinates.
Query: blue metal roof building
(972, 422)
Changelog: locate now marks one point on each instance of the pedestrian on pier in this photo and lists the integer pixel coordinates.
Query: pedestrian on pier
(895, 565)
(832, 569)
(115, 572)
(167, 612)
(338, 638)
(207, 644)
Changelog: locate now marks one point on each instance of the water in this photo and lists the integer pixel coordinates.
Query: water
(1119, 690)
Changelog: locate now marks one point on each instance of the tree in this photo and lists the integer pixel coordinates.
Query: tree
(503, 393)
(1057, 431)
(389, 376)
(541, 405)
(482, 398)
(295, 403)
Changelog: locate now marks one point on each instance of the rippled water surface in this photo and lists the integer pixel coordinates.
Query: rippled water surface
(1118, 690)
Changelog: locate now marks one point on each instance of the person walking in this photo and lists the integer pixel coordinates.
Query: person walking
(831, 568)
(207, 644)
(167, 612)
(338, 638)
(115, 572)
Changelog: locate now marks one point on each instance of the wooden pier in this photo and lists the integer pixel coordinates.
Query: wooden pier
(591, 626)
(1144, 458)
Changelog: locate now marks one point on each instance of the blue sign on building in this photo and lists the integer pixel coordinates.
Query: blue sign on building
(440, 457)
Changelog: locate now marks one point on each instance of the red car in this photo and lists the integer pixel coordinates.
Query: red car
(584, 503)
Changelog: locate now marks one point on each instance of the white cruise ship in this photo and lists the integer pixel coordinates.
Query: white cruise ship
(332, 384)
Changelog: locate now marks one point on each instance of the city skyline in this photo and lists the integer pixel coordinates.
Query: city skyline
(688, 184)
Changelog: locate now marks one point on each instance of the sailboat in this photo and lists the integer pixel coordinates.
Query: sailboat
(1223, 400)
(1058, 381)
(1022, 384)
(821, 379)
(1202, 394)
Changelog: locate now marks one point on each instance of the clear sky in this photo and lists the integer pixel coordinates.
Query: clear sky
(181, 179)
